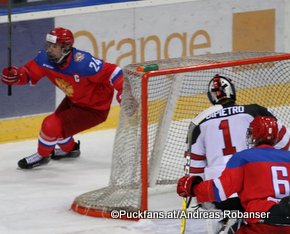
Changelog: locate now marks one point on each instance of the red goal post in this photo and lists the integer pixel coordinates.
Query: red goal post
(156, 109)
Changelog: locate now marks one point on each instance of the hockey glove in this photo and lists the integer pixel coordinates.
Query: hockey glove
(10, 76)
(186, 184)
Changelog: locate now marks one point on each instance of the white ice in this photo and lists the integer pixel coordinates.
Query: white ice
(38, 201)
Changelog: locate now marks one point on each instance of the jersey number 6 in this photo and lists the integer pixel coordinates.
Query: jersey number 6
(281, 185)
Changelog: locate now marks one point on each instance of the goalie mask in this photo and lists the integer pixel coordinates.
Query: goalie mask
(59, 42)
(221, 90)
(262, 130)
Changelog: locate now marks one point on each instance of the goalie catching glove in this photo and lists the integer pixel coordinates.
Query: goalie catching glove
(185, 185)
(11, 75)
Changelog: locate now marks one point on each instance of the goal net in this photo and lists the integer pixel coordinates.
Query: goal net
(156, 110)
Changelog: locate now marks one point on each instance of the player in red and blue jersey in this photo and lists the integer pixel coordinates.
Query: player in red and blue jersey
(259, 175)
(88, 83)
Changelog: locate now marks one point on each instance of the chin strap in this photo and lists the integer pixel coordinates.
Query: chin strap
(64, 54)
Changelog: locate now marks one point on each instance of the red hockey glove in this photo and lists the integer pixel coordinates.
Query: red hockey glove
(10, 76)
(186, 184)
(119, 96)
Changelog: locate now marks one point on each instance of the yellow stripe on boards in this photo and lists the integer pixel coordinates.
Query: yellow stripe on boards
(21, 128)
(271, 96)
(188, 107)
(24, 128)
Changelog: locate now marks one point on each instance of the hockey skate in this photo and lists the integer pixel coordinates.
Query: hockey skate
(32, 161)
(59, 154)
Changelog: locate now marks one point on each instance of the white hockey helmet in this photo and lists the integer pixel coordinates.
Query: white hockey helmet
(221, 89)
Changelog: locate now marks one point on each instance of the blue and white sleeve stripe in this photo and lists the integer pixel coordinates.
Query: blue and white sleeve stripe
(218, 190)
(115, 74)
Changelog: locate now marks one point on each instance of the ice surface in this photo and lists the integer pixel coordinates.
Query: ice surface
(38, 201)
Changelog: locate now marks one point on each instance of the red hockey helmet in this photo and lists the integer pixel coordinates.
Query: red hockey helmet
(263, 129)
(221, 89)
(61, 36)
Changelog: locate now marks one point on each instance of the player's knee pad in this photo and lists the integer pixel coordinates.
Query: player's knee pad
(52, 127)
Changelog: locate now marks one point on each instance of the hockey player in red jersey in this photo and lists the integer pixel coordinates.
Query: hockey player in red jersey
(223, 133)
(88, 83)
(259, 175)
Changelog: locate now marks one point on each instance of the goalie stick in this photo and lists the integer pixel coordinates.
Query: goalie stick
(195, 122)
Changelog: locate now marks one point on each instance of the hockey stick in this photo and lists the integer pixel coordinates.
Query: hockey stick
(193, 124)
(9, 43)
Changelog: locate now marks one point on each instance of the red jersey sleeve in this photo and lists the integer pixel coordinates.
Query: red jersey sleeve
(113, 73)
(34, 72)
(30, 73)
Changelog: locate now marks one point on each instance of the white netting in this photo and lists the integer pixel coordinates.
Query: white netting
(173, 100)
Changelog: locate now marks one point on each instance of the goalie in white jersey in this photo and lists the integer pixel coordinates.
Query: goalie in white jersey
(223, 133)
